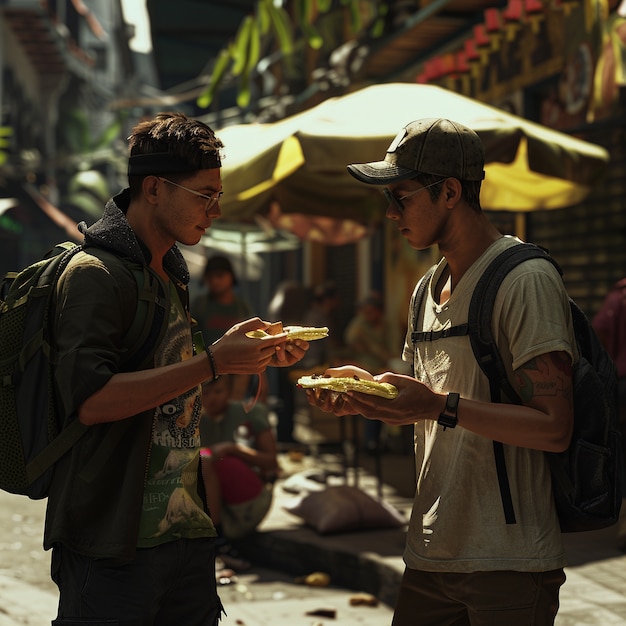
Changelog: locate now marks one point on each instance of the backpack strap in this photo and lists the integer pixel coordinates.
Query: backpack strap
(472, 329)
(483, 342)
(55, 450)
(62, 253)
(485, 348)
(148, 326)
(433, 335)
(149, 319)
(481, 314)
(416, 307)
(74, 431)
(418, 301)
(143, 337)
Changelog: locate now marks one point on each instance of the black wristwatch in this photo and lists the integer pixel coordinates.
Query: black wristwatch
(449, 419)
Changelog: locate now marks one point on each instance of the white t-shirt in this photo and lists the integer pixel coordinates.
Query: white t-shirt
(457, 523)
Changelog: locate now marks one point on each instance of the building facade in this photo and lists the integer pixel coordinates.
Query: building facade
(63, 62)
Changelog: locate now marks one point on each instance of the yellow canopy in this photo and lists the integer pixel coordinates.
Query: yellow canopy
(300, 162)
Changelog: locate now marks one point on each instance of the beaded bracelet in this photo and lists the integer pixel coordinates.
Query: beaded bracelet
(212, 362)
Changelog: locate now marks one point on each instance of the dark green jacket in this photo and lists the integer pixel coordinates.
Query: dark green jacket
(94, 503)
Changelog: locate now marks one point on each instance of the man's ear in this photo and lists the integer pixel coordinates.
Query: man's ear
(452, 190)
(150, 188)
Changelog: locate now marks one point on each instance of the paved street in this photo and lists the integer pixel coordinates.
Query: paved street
(257, 598)
(594, 594)
(595, 591)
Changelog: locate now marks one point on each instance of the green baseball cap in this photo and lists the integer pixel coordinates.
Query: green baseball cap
(428, 146)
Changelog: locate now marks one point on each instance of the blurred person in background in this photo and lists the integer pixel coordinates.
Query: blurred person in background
(367, 341)
(289, 304)
(239, 466)
(219, 308)
(610, 326)
(321, 314)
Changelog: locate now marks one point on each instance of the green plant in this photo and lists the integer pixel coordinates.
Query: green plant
(75, 137)
(81, 156)
(5, 133)
(269, 25)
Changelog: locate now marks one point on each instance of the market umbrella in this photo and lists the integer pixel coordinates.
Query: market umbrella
(300, 162)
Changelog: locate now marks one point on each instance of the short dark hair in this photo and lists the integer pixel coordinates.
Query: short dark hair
(219, 263)
(471, 188)
(327, 289)
(186, 139)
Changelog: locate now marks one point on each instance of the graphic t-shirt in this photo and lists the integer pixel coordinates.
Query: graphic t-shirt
(172, 508)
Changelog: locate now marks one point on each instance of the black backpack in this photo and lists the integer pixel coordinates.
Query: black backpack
(587, 477)
(32, 436)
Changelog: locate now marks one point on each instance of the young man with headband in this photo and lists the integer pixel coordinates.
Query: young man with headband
(132, 538)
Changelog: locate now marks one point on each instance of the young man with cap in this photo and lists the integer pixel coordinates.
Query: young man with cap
(132, 539)
(464, 563)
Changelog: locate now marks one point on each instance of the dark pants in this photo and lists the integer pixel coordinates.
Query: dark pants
(171, 584)
(286, 406)
(478, 599)
(371, 433)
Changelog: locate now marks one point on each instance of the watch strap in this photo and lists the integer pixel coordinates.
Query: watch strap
(448, 418)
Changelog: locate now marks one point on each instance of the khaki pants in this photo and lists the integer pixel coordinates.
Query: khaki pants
(478, 599)
(239, 520)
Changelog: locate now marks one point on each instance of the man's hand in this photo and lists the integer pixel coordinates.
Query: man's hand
(236, 353)
(413, 403)
(289, 353)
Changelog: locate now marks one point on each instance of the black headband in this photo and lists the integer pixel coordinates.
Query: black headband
(165, 163)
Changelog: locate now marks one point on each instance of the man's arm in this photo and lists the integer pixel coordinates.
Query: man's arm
(545, 419)
(263, 456)
(543, 422)
(127, 394)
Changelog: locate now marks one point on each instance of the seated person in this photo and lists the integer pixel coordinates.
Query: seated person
(239, 465)
(367, 339)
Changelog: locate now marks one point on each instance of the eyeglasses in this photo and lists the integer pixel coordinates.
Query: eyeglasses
(210, 200)
(397, 202)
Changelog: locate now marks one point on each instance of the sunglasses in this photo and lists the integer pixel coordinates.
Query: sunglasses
(397, 202)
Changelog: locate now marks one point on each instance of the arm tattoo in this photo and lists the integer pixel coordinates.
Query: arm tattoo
(548, 375)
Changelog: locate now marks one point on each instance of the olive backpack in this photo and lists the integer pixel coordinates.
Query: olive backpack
(32, 433)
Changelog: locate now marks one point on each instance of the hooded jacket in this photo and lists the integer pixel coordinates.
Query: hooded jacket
(95, 498)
